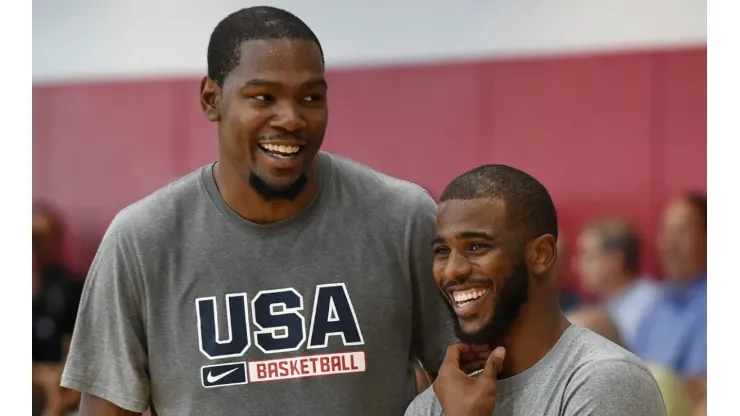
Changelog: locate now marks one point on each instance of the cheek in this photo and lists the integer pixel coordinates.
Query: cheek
(239, 131)
(493, 265)
(437, 270)
(317, 122)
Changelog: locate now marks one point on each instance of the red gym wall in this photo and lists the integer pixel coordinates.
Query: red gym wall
(607, 134)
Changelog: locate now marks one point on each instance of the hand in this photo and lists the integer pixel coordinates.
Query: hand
(461, 395)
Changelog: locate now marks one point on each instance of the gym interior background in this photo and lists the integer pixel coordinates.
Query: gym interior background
(605, 102)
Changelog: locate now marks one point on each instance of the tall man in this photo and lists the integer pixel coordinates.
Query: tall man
(279, 280)
(494, 252)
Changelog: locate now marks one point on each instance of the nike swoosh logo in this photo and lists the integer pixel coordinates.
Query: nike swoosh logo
(212, 379)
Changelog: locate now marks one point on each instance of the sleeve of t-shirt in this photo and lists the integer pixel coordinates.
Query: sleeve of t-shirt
(108, 357)
(613, 388)
(433, 330)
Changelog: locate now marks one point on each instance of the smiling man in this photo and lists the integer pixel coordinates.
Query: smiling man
(494, 252)
(279, 280)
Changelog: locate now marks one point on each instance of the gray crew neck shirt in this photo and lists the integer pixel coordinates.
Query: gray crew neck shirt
(195, 311)
(584, 374)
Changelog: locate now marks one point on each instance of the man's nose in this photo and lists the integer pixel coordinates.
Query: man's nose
(289, 117)
(457, 268)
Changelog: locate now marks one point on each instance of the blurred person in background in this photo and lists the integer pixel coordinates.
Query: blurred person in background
(61, 285)
(495, 249)
(608, 264)
(277, 280)
(50, 228)
(56, 296)
(701, 408)
(47, 349)
(569, 298)
(674, 333)
(675, 396)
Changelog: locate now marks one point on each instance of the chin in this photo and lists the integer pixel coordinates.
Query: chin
(280, 182)
(476, 333)
(472, 326)
(283, 189)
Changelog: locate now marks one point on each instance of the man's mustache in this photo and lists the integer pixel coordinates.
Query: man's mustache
(473, 281)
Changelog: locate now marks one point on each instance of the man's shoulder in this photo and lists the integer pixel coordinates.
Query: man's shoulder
(596, 358)
(591, 349)
(365, 182)
(162, 203)
(425, 404)
(161, 208)
(605, 376)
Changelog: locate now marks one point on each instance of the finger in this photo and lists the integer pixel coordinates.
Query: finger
(495, 363)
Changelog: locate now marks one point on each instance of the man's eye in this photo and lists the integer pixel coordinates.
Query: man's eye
(478, 247)
(263, 97)
(441, 250)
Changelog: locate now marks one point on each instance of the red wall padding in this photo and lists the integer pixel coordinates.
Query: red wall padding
(607, 134)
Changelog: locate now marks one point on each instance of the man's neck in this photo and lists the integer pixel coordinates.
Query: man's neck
(534, 334)
(245, 201)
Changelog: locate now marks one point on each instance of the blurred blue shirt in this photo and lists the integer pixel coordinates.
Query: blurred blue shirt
(674, 331)
(629, 308)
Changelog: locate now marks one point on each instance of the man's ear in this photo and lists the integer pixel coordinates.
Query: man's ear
(210, 97)
(542, 253)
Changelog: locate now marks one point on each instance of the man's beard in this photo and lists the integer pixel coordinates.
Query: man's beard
(271, 193)
(509, 302)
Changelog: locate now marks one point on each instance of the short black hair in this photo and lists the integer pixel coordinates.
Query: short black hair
(252, 23)
(529, 207)
(698, 201)
(618, 235)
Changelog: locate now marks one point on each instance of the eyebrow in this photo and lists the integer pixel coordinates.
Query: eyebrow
(258, 82)
(466, 235)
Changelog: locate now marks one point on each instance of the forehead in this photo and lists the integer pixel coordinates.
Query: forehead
(680, 213)
(589, 239)
(281, 60)
(458, 216)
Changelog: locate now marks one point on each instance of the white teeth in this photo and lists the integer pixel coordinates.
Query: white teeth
(281, 148)
(466, 295)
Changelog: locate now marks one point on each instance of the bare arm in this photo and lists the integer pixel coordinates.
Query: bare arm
(95, 406)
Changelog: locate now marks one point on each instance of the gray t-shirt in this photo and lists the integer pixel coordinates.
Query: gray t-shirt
(200, 312)
(583, 375)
